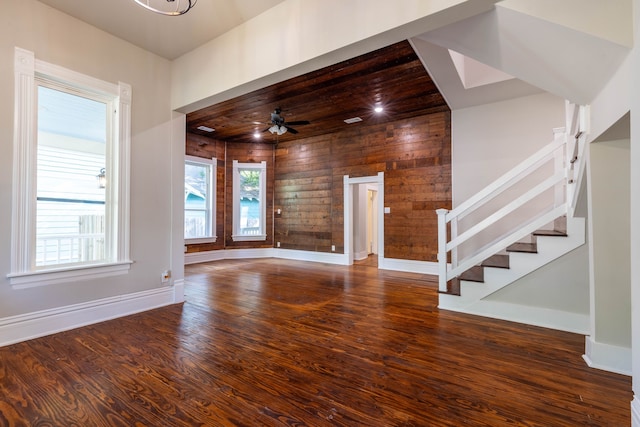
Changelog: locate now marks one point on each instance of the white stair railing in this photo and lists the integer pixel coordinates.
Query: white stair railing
(566, 159)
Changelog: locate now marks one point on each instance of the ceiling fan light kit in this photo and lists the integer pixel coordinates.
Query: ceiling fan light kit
(279, 126)
(167, 7)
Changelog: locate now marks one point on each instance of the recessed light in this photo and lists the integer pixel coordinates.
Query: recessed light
(353, 120)
(378, 109)
(205, 128)
(256, 135)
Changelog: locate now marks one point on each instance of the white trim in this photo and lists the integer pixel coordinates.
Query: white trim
(178, 290)
(212, 164)
(405, 265)
(577, 323)
(33, 325)
(218, 255)
(348, 184)
(28, 74)
(410, 266)
(262, 168)
(63, 275)
(607, 357)
(635, 412)
(322, 257)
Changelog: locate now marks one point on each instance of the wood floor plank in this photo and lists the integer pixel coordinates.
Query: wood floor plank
(270, 342)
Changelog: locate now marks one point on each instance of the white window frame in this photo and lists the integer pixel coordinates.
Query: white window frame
(262, 235)
(28, 72)
(211, 194)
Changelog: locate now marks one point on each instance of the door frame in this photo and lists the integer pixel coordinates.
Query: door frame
(348, 214)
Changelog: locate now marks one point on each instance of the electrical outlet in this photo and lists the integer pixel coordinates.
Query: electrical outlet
(277, 244)
(166, 275)
(333, 248)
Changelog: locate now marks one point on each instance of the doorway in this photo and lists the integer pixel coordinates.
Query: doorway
(363, 224)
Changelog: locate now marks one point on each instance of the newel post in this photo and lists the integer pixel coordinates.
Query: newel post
(442, 249)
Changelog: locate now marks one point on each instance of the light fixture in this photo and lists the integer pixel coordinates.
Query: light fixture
(102, 178)
(378, 109)
(167, 7)
(278, 129)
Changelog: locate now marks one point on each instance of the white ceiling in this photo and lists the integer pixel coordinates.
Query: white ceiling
(167, 36)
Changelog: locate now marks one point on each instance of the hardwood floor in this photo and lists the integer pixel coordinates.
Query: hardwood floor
(272, 342)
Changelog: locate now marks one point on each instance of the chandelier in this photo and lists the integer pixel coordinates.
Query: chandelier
(167, 7)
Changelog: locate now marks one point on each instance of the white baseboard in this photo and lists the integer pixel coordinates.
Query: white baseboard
(329, 258)
(635, 412)
(178, 291)
(359, 256)
(408, 265)
(607, 357)
(324, 257)
(206, 256)
(46, 322)
(529, 315)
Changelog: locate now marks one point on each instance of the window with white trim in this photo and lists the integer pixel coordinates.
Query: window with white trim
(249, 204)
(199, 200)
(71, 166)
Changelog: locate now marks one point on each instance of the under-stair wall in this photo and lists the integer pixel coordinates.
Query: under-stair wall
(487, 141)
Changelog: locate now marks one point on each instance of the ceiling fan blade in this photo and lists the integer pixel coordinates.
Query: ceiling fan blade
(292, 130)
(299, 122)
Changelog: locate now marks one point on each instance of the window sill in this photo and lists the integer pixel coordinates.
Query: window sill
(67, 274)
(253, 237)
(198, 240)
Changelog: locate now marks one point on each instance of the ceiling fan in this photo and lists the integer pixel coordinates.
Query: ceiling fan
(279, 126)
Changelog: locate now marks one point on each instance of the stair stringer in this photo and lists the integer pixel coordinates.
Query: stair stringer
(472, 294)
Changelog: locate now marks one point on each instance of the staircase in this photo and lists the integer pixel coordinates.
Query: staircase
(521, 233)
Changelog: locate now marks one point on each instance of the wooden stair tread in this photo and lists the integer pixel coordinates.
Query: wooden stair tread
(453, 287)
(523, 247)
(474, 274)
(558, 233)
(496, 261)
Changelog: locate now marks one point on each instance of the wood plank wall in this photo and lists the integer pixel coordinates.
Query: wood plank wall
(415, 156)
(305, 181)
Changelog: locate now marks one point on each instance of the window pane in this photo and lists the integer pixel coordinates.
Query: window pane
(197, 218)
(250, 210)
(195, 224)
(70, 218)
(196, 182)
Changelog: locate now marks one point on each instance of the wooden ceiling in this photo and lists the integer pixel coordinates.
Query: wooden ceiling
(392, 77)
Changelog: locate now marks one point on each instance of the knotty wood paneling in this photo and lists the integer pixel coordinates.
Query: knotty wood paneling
(414, 154)
(393, 76)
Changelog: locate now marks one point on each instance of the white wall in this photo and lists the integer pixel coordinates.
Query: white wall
(491, 139)
(609, 219)
(635, 217)
(62, 40)
(562, 285)
(488, 141)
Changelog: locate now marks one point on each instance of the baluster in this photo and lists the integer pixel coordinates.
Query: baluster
(442, 249)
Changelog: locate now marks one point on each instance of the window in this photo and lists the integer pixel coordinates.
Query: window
(199, 200)
(249, 204)
(70, 194)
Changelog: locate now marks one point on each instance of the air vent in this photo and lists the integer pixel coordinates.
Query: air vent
(353, 120)
(206, 129)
